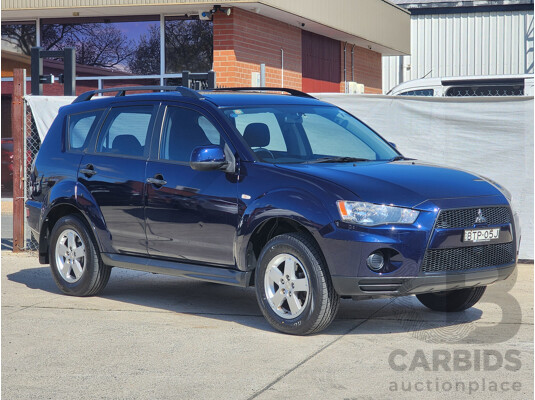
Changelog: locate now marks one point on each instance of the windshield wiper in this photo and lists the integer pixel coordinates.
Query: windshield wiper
(336, 160)
(398, 158)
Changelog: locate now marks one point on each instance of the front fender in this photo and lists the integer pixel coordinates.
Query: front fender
(297, 205)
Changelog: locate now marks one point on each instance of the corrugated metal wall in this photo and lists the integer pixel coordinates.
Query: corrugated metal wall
(489, 43)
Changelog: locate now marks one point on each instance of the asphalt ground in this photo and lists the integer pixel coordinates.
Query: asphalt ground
(158, 337)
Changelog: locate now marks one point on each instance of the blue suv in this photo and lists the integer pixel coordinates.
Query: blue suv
(253, 187)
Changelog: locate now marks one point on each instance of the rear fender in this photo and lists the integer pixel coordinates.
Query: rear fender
(71, 193)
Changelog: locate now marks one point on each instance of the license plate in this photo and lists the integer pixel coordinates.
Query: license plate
(481, 235)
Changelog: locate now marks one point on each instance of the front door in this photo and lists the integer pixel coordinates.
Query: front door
(114, 173)
(191, 215)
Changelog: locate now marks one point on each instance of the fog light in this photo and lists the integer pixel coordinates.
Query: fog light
(375, 261)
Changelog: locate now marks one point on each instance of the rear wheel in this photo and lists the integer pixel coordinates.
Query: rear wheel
(75, 263)
(293, 286)
(452, 300)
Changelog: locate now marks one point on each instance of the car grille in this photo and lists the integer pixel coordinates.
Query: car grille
(463, 258)
(465, 218)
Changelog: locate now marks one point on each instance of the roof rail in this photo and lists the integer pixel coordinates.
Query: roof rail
(292, 92)
(121, 91)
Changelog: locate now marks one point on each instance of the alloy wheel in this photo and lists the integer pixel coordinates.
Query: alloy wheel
(286, 285)
(70, 255)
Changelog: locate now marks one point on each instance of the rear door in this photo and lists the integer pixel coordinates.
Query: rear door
(191, 215)
(114, 173)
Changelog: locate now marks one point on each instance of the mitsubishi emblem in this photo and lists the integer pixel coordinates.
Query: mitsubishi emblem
(480, 219)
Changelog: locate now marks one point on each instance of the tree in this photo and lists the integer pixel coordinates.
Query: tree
(96, 44)
(20, 35)
(188, 46)
(145, 58)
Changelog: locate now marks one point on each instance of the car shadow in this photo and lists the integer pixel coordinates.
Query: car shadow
(236, 304)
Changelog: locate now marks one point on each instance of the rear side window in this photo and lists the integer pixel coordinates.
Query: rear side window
(418, 92)
(125, 131)
(80, 125)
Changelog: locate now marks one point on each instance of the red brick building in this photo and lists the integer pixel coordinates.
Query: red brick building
(294, 57)
(310, 45)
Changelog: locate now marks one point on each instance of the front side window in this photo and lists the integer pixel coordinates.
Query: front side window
(80, 125)
(184, 129)
(243, 125)
(125, 131)
(307, 134)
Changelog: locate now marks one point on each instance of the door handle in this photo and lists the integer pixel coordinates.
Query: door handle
(88, 171)
(157, 181)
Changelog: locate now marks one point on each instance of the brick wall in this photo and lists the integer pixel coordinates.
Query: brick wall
(348, 65)
(244, 40)
(367, 68)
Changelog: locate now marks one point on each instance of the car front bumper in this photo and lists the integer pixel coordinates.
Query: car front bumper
(424, 283)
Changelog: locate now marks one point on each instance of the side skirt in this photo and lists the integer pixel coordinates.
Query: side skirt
(193, 271)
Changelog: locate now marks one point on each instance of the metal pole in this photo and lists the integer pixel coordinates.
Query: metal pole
(185, 79)
(25, 165)
(345, 70)
(352, 64)
(18, 119)
(37, 71)
(400, 76)
(262, 75)
(211, 80)
(69, 73)
(38, 32)
(162, 49)
(282, 67)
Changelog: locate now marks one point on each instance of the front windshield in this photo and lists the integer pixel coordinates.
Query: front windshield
(307, 134)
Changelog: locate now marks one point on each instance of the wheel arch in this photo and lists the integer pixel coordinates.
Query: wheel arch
(60, 207)
(266, 231)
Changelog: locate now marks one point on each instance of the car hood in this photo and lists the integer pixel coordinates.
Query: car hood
(403, 183)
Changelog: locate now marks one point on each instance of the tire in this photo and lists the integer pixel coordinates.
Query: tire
(453, 300)
(300, 312)
(74, 259)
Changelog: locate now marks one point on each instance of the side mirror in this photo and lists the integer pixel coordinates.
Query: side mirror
(208, 158)
(393, 145)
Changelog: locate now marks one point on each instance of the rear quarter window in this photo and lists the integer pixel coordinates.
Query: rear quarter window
(80, 127)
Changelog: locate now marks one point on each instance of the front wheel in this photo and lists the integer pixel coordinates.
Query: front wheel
(76, 266)
(293, 287)
(452, 300)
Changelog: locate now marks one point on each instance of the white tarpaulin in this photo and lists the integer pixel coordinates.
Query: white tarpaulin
(44, 110)
(491, 136)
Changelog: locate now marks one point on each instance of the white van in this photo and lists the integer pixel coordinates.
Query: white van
(467, 86)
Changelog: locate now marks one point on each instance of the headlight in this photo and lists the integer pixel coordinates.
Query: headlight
(369, 214)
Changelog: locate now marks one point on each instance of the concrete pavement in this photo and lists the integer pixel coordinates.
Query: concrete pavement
(158, 337)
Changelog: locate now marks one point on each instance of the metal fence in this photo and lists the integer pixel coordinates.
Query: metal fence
(31, 147)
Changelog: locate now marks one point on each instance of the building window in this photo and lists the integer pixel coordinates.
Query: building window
(118, 46)
(188, 45)
(18, 37)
